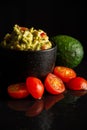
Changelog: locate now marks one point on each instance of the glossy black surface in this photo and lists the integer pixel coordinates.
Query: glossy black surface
(67, 111)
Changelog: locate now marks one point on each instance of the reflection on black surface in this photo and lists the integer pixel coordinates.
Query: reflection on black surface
(50, 113)
(51, 100)
(78, 93)
(35, 109)
(29, 113)
(19, 105)
(66, 111)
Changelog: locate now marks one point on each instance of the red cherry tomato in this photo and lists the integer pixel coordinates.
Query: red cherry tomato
(18, 90)
(43, 34)
(77, 83)
(35, 109)
(64, 73)
(53, 84)
(35, 87)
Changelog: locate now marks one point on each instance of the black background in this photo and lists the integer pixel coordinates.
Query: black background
(54, 17)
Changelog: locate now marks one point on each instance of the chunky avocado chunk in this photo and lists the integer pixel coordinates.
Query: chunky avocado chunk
(22, 38)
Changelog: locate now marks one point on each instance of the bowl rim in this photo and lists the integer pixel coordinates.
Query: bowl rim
(54, 46)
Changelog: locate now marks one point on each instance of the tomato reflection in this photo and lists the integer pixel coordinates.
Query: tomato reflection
(50, 100)
(35, 109)
(17, 105)
(78, 93)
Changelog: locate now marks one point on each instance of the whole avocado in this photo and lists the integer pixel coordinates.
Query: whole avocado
(70, 51)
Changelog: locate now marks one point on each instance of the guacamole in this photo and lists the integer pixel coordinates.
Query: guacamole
(23, 38)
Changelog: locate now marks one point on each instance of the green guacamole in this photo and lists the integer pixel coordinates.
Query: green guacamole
(22, 38)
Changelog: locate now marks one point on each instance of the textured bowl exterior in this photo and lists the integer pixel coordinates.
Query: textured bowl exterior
(17, 65)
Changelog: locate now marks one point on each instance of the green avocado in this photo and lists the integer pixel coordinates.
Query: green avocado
(70, 51)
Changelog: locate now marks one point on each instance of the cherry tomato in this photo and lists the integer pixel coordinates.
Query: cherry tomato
(53, 84)
(44, 47)
(43, 34)
(35, 87)
(50, 100)
(35, 109)
(64, 73)
(77, 83)
(18, 90)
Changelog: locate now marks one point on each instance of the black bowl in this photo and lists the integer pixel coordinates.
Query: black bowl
(15, 65)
